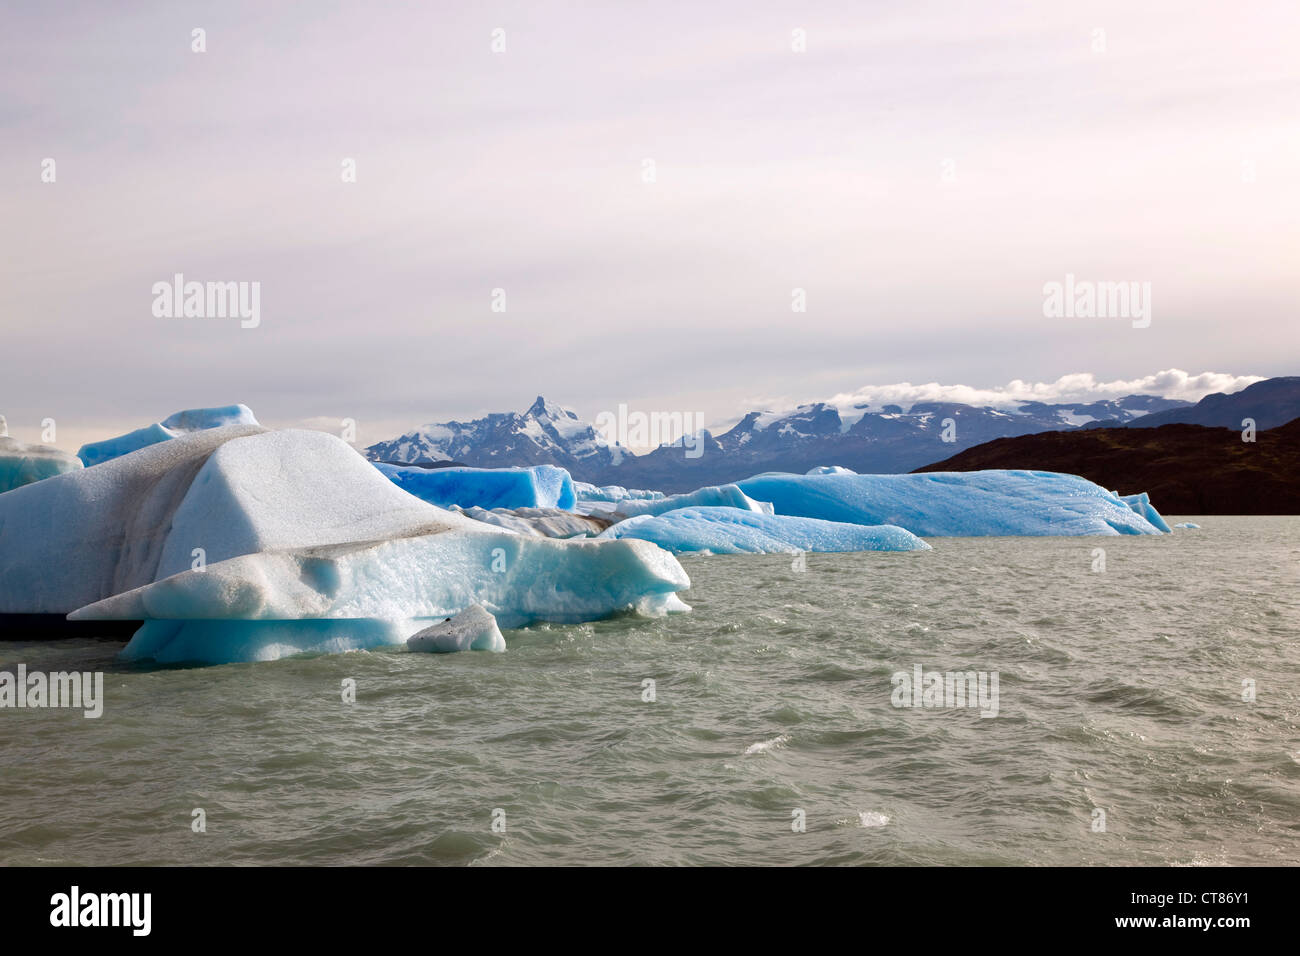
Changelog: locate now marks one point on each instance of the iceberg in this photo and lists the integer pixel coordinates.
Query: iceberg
(473, 629)
(589, 492)
(542, 522)
(181, 423)
(87, 534)
(831, 470)
(1141, 504)
(21, 464)
(264, 605)
(733, 531)
(540, 486)
(713, 496)
(955, 504)
(1190, 525)
(237, 543)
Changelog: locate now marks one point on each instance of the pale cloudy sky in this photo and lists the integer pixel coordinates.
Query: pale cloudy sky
(1170, 155)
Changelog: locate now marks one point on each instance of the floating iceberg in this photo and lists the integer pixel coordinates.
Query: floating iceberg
(955, 504)
(733, 531)
(240, 544)
(542, 522)
(831, 470)
(1141, 504)
(589, 492)
(473, 629)
(541, 486)
(181, 423)
(21, 464)
(1190, 525)
(261, 606)
(713, 496)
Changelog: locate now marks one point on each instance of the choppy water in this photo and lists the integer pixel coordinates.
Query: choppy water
(1119, 690)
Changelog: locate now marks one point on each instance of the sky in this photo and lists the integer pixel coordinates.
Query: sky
(649, 184)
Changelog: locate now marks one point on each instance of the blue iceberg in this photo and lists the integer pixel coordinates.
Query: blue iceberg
(712, 496)
(1141, 504)
(541, 486)
(955, 504)
(733, 531)
(181, 423)
(21, 463)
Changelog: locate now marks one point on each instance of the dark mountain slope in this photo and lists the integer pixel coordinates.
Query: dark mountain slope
(1187, 469)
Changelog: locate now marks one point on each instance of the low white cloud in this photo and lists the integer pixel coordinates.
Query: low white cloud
(1076, 387)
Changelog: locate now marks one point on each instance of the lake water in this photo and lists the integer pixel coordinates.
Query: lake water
(773, 736)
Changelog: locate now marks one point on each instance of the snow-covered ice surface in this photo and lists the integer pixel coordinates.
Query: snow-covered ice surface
(831, 470)
(1141, 504)
(180, 423)
(539, 486)
(733, 531)
(955, 504)
(21, 464)
(473, 629)
(713, 496)
(84, 535)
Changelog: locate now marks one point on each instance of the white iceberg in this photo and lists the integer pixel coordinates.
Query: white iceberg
(262, 606)
(539, 486)
(589, 492)
(270, 543)
(21, 463)
(831, 470)
(733, 531)
(473, 629)
(1189, 525)
(84, 535)
(955, 504)
(181, 423)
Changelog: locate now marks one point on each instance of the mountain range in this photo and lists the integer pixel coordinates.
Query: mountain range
(1270, 403)
(884, 439)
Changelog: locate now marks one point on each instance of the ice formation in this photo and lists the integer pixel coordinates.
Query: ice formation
(713, 496)
(733, 531)
(589, 492)
(81, 536)
(269, 543)
(540, 486)
(943, 504)
(181, 423)
(831, 470)
(473, 629)
(1190, 525)
(542, 522)
(22, 464)
(269, 599)
(1141, 504)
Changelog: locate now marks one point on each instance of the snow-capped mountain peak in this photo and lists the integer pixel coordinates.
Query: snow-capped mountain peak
(546, 433)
